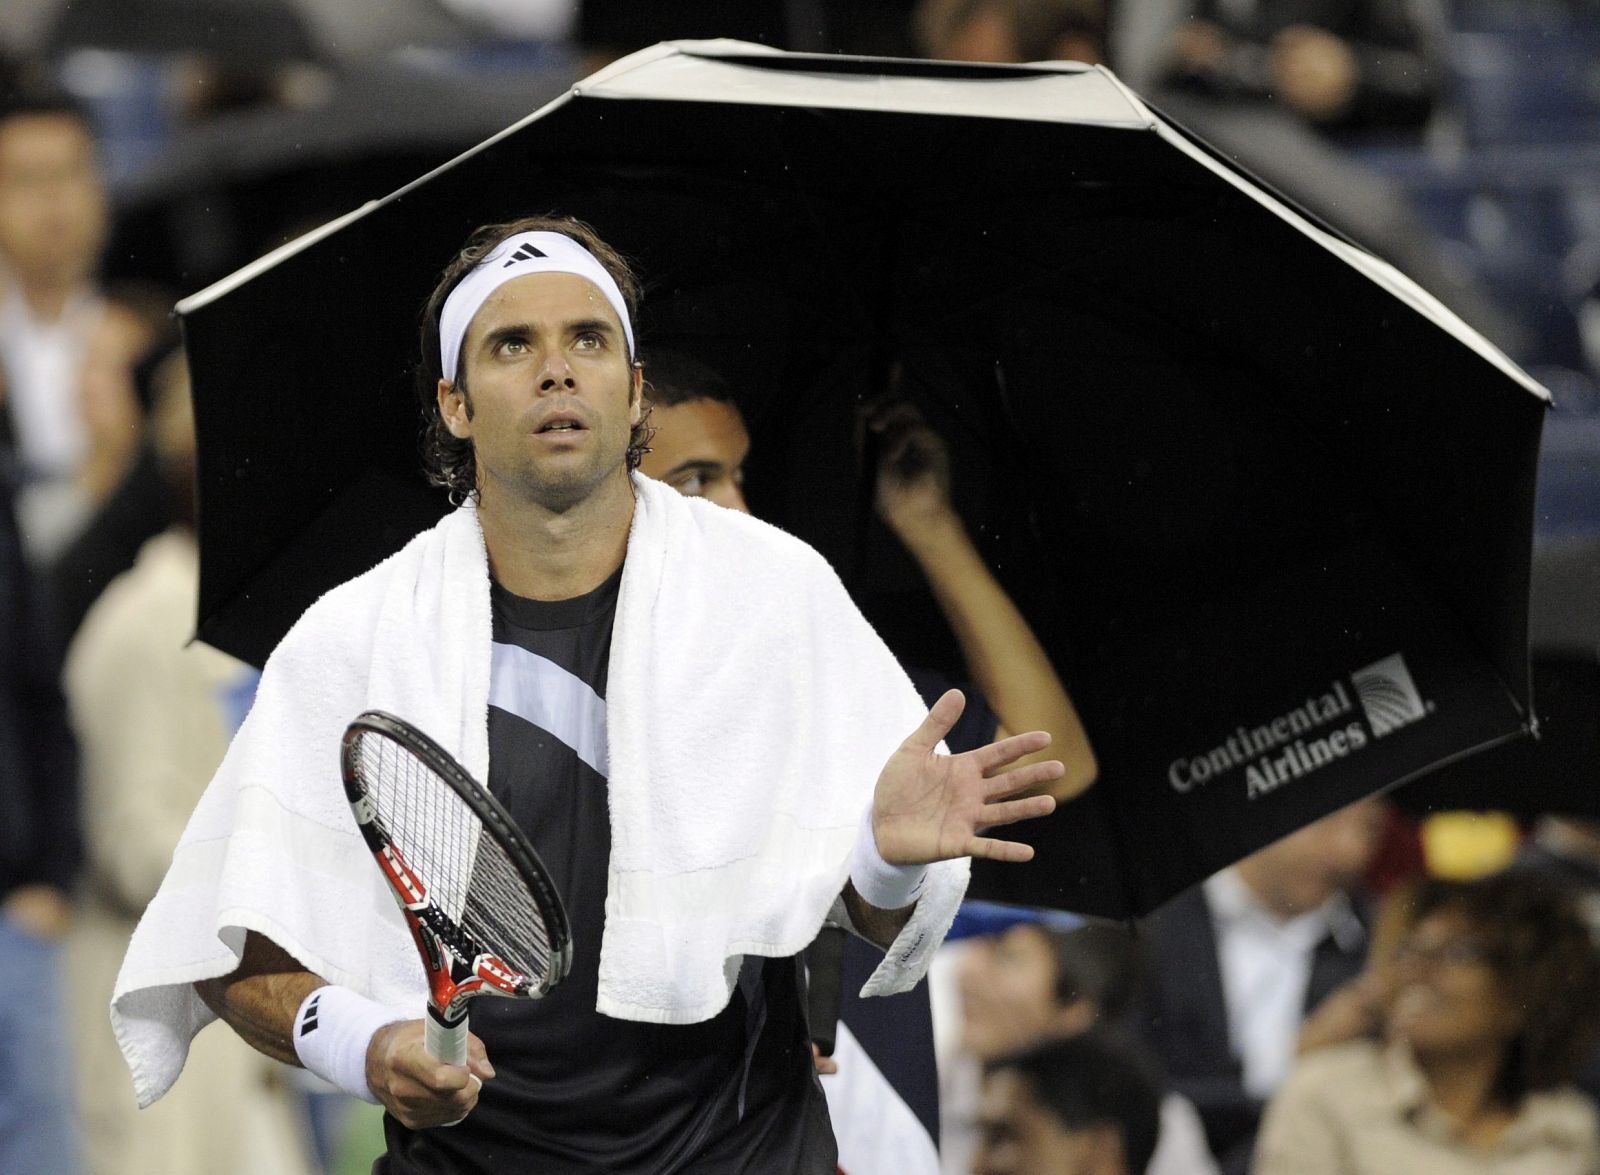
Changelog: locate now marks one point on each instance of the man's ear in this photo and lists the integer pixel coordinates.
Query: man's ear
(453, 409)
(636, 393)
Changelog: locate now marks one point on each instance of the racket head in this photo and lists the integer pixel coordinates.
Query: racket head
(489, 892)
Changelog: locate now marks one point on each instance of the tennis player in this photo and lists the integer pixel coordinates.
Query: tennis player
(677, 1042)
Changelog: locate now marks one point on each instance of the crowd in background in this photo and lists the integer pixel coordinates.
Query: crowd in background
(1382, 991)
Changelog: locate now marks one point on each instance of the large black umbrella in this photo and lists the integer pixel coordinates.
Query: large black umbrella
(1266, 502)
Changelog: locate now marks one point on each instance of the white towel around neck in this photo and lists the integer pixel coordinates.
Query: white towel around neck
(750, 708)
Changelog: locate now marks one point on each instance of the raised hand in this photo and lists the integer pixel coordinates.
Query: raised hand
(932, 807)
(1314, 71)
(420, 1090)
(913, 474)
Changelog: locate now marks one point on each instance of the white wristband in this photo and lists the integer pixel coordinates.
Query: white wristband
(880, 884)
(332, 1030)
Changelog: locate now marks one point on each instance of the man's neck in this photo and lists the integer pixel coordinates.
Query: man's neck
(544, 555)
(1258, 883)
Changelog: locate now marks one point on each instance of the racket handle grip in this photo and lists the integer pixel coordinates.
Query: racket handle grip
(825, 987)
(444, 1041)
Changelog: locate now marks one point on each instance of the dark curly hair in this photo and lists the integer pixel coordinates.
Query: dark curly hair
(1543, 953)
(1096, 1078)
(447, 459)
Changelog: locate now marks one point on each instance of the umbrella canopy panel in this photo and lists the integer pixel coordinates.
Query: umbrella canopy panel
(1271, 520)
(1559, 772)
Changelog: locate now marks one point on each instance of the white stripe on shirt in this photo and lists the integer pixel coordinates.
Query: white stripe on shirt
(539, 691)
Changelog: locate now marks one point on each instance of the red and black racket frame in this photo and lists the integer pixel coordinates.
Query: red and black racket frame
(458, 969)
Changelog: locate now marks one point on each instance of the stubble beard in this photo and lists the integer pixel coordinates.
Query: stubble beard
(558, 491)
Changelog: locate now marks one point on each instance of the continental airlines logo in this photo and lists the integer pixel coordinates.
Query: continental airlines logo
(1323, 729)
(1388, 695)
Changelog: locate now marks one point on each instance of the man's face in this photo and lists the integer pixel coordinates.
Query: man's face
(1018, 1135)
(986, 35)
(1008, 991)
(52, 203)
(699, 449)
(551, 397)
(1303, 870)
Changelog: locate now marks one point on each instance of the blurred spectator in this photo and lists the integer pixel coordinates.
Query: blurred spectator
(136, 329)
(53, 221)
(154, 714)
(1033, 983)
(608, 29)
(1339, 65)
(1486, 1008)
(40, 853)
(1238, 963)
(204, 88)
(136, 335)
(1013, 30)
(1566, 850)
(1080, 1105)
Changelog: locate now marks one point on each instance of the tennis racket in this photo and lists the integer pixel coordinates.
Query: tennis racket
(483, 911)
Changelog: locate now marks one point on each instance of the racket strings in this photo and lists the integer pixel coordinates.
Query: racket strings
(500, 910)
(467, 872)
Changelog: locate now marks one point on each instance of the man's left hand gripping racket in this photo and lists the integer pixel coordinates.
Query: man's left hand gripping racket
(484, 913)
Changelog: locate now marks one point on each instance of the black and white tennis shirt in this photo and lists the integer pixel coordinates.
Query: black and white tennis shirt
(577, 1091)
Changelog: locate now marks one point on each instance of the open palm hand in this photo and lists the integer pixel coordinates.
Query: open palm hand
(931, 807)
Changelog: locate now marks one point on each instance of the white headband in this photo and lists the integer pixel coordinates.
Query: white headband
(517, 257)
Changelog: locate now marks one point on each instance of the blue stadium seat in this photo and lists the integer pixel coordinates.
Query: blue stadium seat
(1537, 84)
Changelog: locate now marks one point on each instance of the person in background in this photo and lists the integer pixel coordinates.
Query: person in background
(154, 712)
(1239, 962)
(53, 224)
(1341, 67)
(1078, 1105)
(135, 328)
(1482, 1014)
(1566, 849)
(40, 855)
(1002, 31)
(132, 500)
(1034, 982)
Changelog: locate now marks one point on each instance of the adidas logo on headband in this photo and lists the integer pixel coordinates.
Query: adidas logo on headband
(525, 253)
